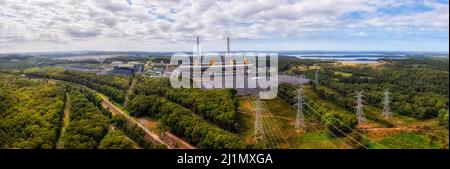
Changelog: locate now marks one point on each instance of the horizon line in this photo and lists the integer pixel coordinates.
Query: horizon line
(181, 51)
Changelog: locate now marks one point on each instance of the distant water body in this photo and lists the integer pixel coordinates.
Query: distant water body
(360, 61)
(348, 57)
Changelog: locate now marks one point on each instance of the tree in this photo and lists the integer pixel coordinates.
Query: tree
(443, 117)
(338, 124)
(115, 140)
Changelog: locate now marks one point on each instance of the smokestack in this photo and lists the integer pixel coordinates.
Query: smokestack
(228, 45)
(198, 46)
(231, 62)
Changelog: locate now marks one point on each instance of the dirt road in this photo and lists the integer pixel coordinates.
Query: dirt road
(116, 111)
(65, 124)
(167, 139)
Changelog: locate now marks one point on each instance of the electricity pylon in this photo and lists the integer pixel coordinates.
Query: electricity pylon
(359, 107)
(387, 109)
(316, 79)
(300, 120)
(259, 128)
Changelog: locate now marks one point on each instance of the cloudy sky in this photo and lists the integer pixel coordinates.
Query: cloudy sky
(172, 25)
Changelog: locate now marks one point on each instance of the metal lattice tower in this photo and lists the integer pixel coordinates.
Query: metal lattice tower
(166, 71)
(316, 79)
(300, 120)
(259, 128)
(387, 109)
(359, 107)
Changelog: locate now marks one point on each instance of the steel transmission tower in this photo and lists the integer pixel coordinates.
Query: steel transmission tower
(259, 128)
(359, 107)
(316, 79)
(300, 120)
(387, 109)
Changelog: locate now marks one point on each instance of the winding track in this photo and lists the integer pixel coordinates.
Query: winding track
(170, 141)
(65, 123)
(115, 111)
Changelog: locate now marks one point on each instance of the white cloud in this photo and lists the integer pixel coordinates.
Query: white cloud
(168, 21)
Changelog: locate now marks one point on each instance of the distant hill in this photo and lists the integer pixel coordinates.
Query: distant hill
(281, 53)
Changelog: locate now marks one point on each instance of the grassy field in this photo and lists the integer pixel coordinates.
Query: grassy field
(319, 140)
(343, 74)
(407, 140)
(279, 127)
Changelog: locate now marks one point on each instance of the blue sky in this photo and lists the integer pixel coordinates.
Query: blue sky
(172, 25)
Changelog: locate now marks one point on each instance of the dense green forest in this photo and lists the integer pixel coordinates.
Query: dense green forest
(31, 115)
(30, 112)
(183, 122)
(115, 140)
(87, 125)
(32, 108)
(113, 86)
(219, 109)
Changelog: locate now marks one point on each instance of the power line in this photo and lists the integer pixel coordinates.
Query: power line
(333, 135)
(364, 135)
(334, 126)
(300, 118)
(269, 128)
(351, 128)
(316, 112)
(387, 114)
(359, 108)
(270, 140)
(316, 77)
(348, 127)
(275, 127)
(271, 134)
(259, 128)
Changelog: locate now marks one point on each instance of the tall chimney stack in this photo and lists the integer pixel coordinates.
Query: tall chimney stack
(198, 46)
(228, 45)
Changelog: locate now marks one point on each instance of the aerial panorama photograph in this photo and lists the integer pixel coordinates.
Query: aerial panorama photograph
(224, 74)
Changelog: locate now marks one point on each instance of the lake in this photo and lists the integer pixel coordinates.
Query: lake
(360, 61)
(349, 56)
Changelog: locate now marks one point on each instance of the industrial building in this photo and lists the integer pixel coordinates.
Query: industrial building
(198, 68)
(127, 69)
